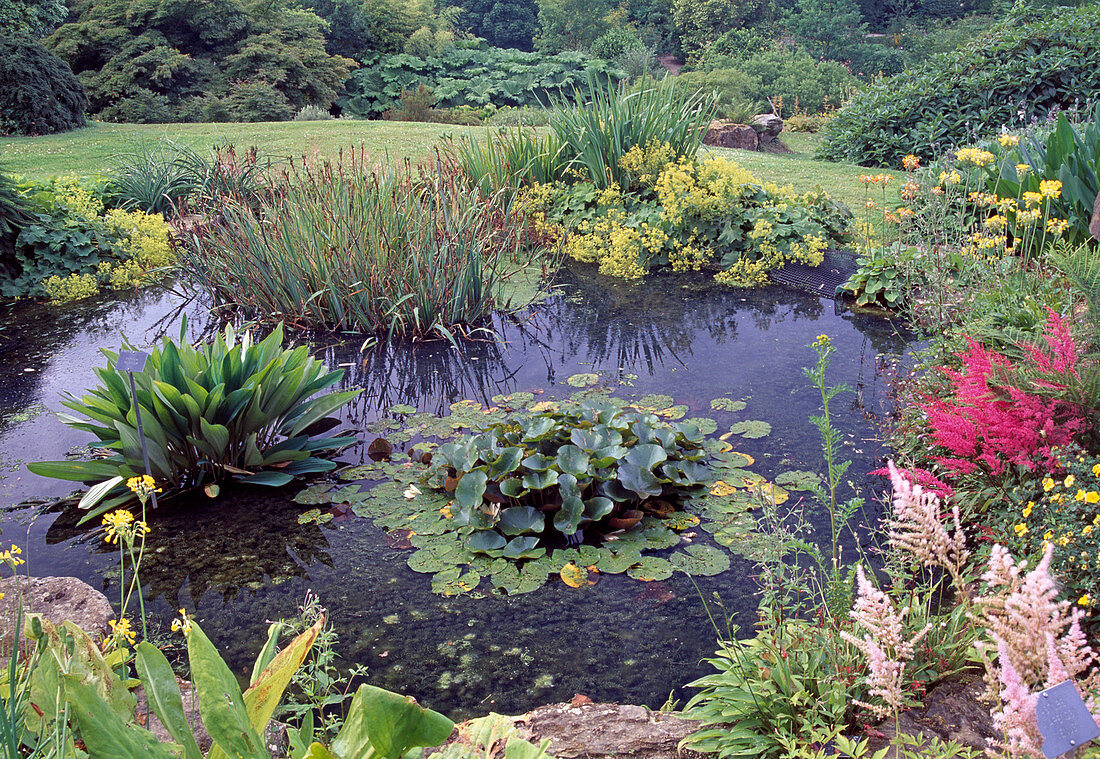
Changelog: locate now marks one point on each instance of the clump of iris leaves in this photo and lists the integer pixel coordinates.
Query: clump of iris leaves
(500, 499)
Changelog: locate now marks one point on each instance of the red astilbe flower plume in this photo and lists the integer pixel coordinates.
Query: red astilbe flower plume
(988, 424)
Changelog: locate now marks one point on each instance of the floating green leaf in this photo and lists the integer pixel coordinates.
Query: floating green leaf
(703, 424)
(700, 560)
(315, 494)
(650, 569)
(798, 480)
(583, 380)
(751, 429)
(727, 404)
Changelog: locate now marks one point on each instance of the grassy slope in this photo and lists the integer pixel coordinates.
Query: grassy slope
(90, 150)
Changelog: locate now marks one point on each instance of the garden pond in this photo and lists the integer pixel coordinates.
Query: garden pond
(251, 555)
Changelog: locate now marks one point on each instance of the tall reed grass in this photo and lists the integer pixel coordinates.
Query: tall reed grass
(587, 138)
(349, 245)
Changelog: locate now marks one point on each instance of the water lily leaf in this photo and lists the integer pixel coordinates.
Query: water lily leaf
(314, 516)
(315, 495)
(572, 460)
(772, 492)
(568, 517)
(727, 404)
(653, 402)
(700, 560)
(540, 480)
(704, 425)
(536, 462)
(466, 407)
(428, 561)
(597, 508)
(751, 429)
(401, 408)
(523, 547)
(638, 480)
(680, 520)
(485, 541)
(673, 412)
(471, 489)
(517, 520)
(452, 582)
(646, 456)
(505, 576)
(616, 562)
(733, 458)
(361, 472)
(506, 463)
(574, 576)
(583, 380)
(514, 401)
(721, 489)
(651, 569)
(543, 406)
(513, 488)
(798, 480)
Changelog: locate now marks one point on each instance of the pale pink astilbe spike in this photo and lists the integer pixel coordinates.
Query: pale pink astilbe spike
(1056, 670)
(1021, 617)
(1074, 649)
(915, 526)
(886, 645)
(1014, 716)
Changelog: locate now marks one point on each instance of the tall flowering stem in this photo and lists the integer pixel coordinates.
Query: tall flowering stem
(917, 527)
(886, 643)
(120, 527)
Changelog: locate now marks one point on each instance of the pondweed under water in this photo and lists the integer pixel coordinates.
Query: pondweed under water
(244, 559)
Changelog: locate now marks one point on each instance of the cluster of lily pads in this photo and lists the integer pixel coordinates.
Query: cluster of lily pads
(500, 499)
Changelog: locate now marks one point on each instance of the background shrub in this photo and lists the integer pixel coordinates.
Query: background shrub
(612, 44)
(1021, 70)
(734, 91)
(471, 77)
(38, 92)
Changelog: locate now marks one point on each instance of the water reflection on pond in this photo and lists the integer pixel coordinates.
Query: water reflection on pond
(244, 558)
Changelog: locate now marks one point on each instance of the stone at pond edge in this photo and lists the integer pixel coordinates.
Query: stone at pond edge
(606, 730)
(57, 599)
(951, 712)
(1094, 224)
(598, 731)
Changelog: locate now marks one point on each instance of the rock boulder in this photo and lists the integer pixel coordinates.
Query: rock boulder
(1094, 225)
(726, 134)
(592, 731)
(57, 599)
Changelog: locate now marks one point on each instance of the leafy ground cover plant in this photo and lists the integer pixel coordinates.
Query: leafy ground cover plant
(348, 245)
(688, 214)
(413, 503)
(68, 244)
(230, 408)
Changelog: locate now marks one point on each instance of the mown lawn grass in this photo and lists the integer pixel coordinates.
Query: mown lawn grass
(93, 149)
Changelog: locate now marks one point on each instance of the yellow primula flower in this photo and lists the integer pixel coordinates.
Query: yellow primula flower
(910, 162)
(11, 556)
(1050, 188)
(1057, 226)
(1021, 170)
(1008, 140)
(122, 631)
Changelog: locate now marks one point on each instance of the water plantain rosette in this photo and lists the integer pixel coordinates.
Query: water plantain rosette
(526, 484)
(230, 408)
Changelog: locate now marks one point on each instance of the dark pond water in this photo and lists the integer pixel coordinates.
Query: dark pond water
(244, 559)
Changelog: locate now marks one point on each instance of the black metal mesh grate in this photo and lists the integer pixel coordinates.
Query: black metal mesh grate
(835, 269)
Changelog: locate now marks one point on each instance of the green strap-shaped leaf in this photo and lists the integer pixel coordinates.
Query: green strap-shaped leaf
(390, 723)
(77, 471)
(104, 733)
(163, 695)
(221, 702)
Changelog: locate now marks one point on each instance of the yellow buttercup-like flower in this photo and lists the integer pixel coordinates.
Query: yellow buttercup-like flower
(1008, 140)
(1021, 529)
(11, 556)
(122, 631)
(1050, 188)
(1085, 600)
(1069, 480)
(1028, 508)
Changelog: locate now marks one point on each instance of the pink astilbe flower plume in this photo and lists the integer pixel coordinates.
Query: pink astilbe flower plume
(915, 526)
(1014, 717)
(886, 644)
